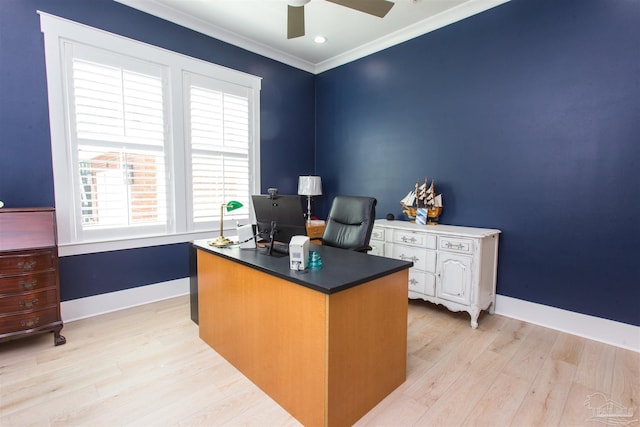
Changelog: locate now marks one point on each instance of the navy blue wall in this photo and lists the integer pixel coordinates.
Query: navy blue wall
(528, 118)
(26, 178)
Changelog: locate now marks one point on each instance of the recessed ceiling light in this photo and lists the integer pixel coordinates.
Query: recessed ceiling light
(320, 39)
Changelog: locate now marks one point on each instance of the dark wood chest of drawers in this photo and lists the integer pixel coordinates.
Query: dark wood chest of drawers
(29, 284)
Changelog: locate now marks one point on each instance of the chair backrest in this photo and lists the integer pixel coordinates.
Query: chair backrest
(350, 223)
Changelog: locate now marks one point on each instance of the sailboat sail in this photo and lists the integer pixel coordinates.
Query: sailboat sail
(409, 199)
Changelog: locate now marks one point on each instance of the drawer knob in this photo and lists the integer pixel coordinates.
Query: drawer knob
(27, 284)
(408, 239)
(30, 322)
(31, 303)
(26, 265)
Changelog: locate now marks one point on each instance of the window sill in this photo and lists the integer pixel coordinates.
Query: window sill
(70, 249)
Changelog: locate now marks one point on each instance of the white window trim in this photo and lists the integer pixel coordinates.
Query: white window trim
(57, 31)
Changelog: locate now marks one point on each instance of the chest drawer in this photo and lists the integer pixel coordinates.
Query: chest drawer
(422, 240)
(377, 248)
(455, 244)
(28, 301)
(422, 282)
(423, 259)
(26, 262)
(377, 233)
(22, 322)
(27, 282)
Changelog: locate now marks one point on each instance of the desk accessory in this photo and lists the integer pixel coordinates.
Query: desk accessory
(298, 252)
(315, 262)
(221, 240)
(309, 186)
(247, 236)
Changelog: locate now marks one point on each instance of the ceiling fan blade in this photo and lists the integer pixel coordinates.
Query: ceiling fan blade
(295, 21)
(377, 8)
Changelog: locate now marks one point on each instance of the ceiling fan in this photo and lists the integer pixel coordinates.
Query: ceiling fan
(295, 12)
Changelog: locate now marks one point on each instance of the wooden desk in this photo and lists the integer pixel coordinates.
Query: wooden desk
(327, 345)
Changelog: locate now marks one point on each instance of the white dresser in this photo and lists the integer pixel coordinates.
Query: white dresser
(453, 266)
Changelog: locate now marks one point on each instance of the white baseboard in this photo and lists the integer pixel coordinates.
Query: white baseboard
(594, 328)
(591, 327)
(113, 301)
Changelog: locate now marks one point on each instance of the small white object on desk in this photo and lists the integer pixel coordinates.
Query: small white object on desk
(298, 252)
(246, 236)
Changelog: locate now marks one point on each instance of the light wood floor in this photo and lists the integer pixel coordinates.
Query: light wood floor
(146, 366)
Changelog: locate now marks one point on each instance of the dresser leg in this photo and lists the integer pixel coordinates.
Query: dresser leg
(474, 317)
(58, 339)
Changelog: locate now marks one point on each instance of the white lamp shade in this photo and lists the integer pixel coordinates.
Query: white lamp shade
(309, 186)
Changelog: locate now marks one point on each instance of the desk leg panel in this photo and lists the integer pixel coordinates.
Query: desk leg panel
(270, 329)
(367, 346)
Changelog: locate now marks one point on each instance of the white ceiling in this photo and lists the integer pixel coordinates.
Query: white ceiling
(260, 26)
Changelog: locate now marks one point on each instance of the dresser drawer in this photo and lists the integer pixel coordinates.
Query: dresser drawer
(455, 244)
(423, 259)
(377, 248)
(28, 301)
(377, 233)
(24, 322)
(27, 262)
(422, 282)
(422, 240)
(27, 282)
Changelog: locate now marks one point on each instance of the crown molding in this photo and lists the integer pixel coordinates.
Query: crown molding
(458, 13)
(450, 16)
(188, 21)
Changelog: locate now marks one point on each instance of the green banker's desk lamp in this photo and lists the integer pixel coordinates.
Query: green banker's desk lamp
(221, 240)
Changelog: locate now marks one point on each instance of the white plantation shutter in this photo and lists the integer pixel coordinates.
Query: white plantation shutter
(147, 143)
(120, 140)
(219, 135)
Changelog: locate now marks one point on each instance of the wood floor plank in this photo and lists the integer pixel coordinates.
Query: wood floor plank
(146, 366)
(545, 400)
(499, 404)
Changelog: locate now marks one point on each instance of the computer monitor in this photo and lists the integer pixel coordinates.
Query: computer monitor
(279, 217)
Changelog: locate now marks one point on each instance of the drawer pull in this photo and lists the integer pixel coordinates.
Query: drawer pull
(28, 284)
(413, 281)
(28, 265)
(31, 303)
(30, 322)
(450, 245)
(406, 239)
(408, 258)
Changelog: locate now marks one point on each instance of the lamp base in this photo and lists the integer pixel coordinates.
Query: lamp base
(220, 242)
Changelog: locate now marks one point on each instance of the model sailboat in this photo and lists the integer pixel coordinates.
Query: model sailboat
(422, 203)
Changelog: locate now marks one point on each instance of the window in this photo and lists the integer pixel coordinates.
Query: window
(146, 143)
(218, 132)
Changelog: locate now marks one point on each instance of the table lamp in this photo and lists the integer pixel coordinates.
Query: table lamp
(221, 240)
(309, 186)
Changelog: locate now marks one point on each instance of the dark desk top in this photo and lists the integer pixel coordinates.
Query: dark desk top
(341, 269)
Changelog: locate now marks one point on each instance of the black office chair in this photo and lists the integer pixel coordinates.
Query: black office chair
(350, 223)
